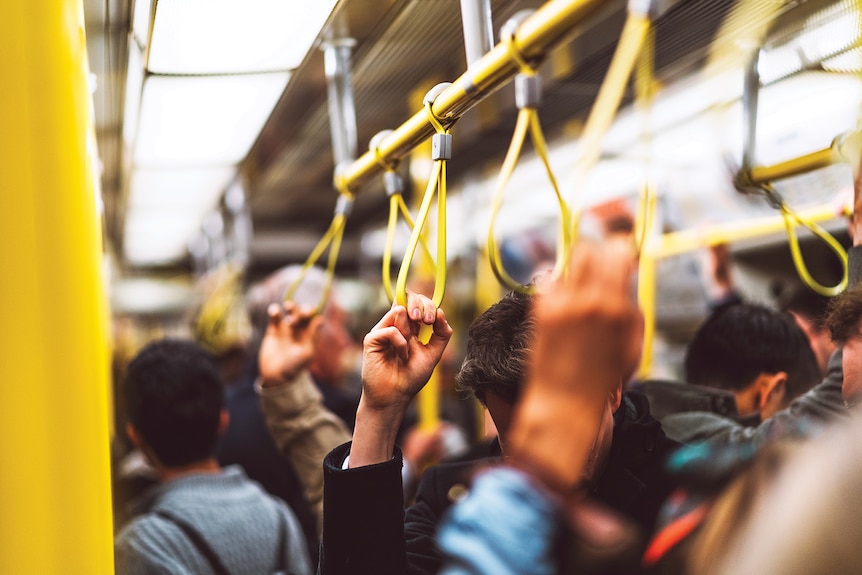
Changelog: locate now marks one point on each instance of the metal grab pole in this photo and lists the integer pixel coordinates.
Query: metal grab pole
(478, 31)
(339, 91)
(55, 489)
(545, 29)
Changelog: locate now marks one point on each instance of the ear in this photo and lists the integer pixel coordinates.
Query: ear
(771, 393)
(615, 398)
(134, 436)
(141, 445)
(223, 421)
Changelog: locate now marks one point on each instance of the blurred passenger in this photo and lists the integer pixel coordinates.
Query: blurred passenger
(222, 326)
(746, 362)
(334, 351)
(808, 520)
(754, 527)
(201, 518)
(247, 442)
(809, 310)
(844, 321)
(588, 336)
(297, 351)
(303, 429)
(365, 527)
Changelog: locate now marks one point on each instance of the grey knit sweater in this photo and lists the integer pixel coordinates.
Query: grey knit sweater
(234, 516)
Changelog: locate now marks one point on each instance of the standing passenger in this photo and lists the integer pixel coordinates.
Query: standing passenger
(200, 518)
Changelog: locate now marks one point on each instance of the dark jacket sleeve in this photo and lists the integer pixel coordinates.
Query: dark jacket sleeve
(363, 517)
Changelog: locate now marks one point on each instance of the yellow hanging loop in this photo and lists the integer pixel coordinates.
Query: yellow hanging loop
(646, 288)
(528, 97)
(610, 95)
(332, 240)
(394, 186)
(441, 152)
(791, 220)
(790, 217)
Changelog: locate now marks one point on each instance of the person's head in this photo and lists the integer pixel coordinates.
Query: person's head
(808, 308)
(758, 354)
(496, 365)
(844, 321)
(173, 396)
(330, 364)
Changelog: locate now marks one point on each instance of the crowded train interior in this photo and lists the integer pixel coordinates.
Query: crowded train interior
(489, 287)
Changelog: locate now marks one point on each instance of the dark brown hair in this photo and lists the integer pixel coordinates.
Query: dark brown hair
(498, 349)
(843, 315)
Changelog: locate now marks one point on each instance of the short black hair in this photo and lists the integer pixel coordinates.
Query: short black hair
(844, 315)
(498, 349)
(173, 396)
(736, 344)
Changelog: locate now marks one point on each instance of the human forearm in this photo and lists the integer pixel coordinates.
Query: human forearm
(374, 434)
(304, 431)
(552, 436)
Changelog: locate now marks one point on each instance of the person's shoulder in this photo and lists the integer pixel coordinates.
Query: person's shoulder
(148, 544)
(144, 533)
(697, 426)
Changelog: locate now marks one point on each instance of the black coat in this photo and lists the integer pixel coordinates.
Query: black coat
(366, 530)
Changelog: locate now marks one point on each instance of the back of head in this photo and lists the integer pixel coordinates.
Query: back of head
(738, 343)
(498, 348)
(173, 397)
(273, 289)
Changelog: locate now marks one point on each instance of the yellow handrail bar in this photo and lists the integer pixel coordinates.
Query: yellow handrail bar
(806, 163)
(545, 29)
(676, 243)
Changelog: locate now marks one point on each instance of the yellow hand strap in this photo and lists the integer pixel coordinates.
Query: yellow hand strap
(790, 218)
(332, 240)
(642, 237)
(528, 121)
(396, 205)
(437, 183)
(608, 100)
(644, 92)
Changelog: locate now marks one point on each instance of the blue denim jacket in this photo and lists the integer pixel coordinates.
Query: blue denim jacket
(505, 526)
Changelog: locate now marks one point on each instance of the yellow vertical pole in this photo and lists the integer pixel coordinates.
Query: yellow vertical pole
(54, 469)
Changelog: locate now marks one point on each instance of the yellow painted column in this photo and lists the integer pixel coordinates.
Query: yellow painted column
(55, 499)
